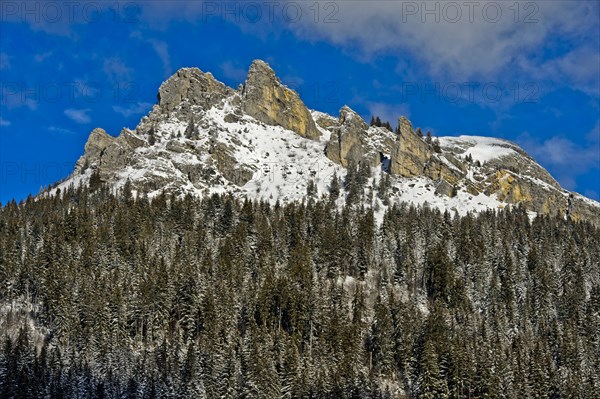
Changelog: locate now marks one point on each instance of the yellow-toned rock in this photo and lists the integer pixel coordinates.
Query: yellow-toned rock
(410, 154)
(265, 98)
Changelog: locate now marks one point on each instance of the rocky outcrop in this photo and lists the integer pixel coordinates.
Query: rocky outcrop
(581, 208)
(116, 156)
(97, 142)
(515, 189)
(130, 139)
(325, 121)
(445, 188)
(353, 141)
(446, 167)
(411, 154)
(347, 143)
(269, 101)
(106, 153)
(507, 188)
(191, 86)
(226, 163)
(223, 151)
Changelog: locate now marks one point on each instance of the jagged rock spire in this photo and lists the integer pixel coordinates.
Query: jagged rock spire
(193, 86)
(268, 100)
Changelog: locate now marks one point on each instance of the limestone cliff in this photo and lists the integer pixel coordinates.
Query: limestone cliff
(411, 153)
(265, 98)
(261, 141)
(353, 141)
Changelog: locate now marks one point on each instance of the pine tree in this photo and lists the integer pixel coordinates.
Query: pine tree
(428, 137)
(436, 145)
(431, 383)
(334, 187)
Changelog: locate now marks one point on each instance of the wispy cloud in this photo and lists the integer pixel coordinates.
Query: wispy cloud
(134, 109)
(160, 47)
(78, 115)
(116, 70)
(162, 50)
(482, 41)
(60, 130)
(564, 158)
(4, 122)
(13, 95)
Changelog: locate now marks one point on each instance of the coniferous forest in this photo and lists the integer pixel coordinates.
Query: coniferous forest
(107, 296)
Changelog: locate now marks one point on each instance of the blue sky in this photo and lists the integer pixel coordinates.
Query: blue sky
(527, 71)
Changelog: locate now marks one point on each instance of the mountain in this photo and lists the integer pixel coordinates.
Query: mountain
(329, 286)
(261, 141)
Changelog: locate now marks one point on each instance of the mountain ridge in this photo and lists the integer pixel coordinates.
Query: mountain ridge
(261, 141)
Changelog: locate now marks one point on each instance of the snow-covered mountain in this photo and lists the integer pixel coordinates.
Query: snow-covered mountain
(260, 141)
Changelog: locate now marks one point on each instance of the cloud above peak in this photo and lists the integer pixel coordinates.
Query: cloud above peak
(79, 116)
(460, 40)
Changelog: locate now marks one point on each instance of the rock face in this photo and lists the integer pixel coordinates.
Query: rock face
(269, 101)
(98, 141)
(203, 137)
(325, 121)
(445, 188)
(193, 86)
(411, 153)
(353, 141)
(444, 167)
(106, 153)
(348, 141)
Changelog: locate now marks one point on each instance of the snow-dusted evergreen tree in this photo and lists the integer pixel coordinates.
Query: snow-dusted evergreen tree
(123, 296)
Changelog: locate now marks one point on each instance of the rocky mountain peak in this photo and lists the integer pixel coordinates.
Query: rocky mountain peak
(405, 125)
(192, 86)
(349, 117)
(268, 100)
(261, 141)
(349, 142)
(260, 71)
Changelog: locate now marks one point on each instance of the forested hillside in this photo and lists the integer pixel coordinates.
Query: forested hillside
(108, 296)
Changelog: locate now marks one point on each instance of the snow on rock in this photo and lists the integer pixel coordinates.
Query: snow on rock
(199, 140)
(482, 149)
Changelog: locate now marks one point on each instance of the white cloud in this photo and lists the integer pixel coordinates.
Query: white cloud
(483, 41)
(116, 70)
(162, 50)
(12, 95)
(78, 115)
(471, 47)
(134, 109)
(60, 130)
(4, 122)
(565, 159)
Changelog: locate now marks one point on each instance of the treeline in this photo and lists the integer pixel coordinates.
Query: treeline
(222, 298)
